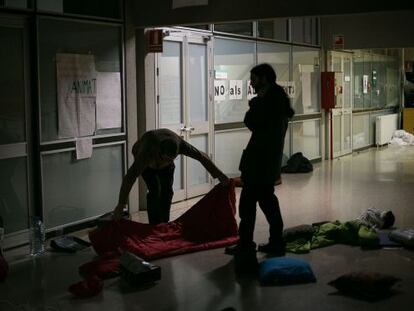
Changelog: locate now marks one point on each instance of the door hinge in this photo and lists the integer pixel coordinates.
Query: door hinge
(158, 99)
(158, 71)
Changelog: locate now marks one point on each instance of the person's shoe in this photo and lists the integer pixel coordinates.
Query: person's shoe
(236, 249)
(272, 249)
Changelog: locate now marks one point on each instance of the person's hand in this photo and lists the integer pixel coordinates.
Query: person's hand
(118, 211)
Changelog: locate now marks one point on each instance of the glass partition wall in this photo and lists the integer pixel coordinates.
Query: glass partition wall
(297, 70)
(88, 55)
(376, 85)
(62, 129)
(15, 124)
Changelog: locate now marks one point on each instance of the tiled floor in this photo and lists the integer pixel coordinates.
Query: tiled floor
(339, 189)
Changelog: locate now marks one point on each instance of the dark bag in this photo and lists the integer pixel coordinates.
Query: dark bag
(137, 271)
(298, 164)
(69, 244)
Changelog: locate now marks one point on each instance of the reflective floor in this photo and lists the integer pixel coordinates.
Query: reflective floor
(340, 189)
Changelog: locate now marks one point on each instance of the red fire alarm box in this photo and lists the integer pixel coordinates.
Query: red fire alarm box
(331, 89)
(154, 41)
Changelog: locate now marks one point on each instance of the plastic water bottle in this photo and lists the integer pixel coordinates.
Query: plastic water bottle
(37, 237)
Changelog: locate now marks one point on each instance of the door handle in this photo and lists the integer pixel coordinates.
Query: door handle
(187, 129)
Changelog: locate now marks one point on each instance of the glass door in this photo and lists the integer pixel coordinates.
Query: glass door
(170, 101)
(14, 126)
(183, 105)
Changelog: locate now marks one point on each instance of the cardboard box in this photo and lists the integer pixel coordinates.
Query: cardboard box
(408, 120)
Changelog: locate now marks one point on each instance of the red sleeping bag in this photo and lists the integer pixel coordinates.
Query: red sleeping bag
(210, 223)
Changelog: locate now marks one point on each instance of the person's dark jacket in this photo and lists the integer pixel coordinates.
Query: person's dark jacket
(267, 119)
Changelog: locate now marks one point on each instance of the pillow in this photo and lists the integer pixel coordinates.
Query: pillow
(365, 285)
(285, 271)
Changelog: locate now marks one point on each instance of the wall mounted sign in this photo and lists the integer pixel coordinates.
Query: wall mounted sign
(76, 92)
(220, 90)
(154, 41)
(338, 42)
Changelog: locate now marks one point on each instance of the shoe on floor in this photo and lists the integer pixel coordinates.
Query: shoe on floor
(272, 249)
(236, 249)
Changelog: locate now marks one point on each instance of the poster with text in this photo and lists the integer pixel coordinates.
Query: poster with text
(236, 89)
(219, 90)
(250, 91)
(108, 100)
(76, 92)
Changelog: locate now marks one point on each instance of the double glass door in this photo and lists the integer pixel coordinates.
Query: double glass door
(183, 83)
(341, 64)
(14, 129)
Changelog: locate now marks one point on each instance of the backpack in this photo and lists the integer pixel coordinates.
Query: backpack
(298, 164)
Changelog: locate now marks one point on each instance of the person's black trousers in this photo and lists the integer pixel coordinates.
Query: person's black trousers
(268, 202)
(160, 193)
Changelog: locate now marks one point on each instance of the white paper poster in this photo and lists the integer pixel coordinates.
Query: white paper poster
(108, 100)
(83, 148)
(236, 89)
(87, 117)
(289, 87)
(221, 75)
(183, 3)
(365, 84)
(250, 91)
(76, 91)
(220, 90)
(306, 68)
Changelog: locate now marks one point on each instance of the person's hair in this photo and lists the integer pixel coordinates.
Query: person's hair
(168, 148)
(264, 70)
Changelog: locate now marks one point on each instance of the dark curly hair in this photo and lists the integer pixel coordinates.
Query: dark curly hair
(264, 70)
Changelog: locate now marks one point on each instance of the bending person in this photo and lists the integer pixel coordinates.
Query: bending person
(154, 156)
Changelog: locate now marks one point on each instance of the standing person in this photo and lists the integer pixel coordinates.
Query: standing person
(154, 156)
(260, 164)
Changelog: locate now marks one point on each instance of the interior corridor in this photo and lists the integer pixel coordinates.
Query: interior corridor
(336, 190)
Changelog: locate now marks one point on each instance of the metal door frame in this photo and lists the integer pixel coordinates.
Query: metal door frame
(342, 111)
(22, 149)
(185, 129)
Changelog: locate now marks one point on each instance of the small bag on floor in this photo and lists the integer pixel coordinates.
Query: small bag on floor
(69, 244)
(137, 271)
